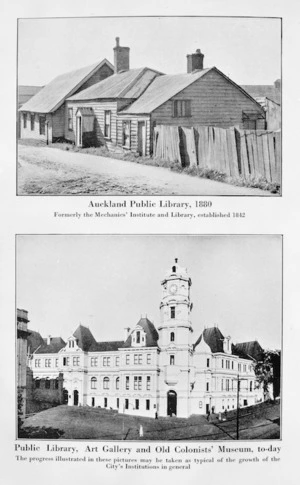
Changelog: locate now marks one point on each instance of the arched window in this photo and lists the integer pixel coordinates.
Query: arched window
(118, 383)
(138, 337)
(172, 337)
(251, 384)
(174, 269)
(106, 383)
(93, 383)
(172, 359)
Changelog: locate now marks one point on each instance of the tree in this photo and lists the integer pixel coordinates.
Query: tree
(264, 371)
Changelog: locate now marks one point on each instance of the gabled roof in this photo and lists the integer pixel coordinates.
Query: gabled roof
(165, 87)
(128, 84)
(106, 346)
(263, 91)
(52, 96)
(34, 340)
(56, 344)
(213, 337)
(150, 331)
(250, 349)
(85, 338)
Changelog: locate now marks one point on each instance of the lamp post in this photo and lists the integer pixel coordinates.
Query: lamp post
(238, 405)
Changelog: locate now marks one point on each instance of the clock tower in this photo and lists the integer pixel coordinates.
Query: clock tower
(175, 342)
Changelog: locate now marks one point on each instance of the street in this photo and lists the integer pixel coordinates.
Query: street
(51, 171)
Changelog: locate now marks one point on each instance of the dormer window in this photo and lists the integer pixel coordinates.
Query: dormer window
(174, 269)
(138, 337)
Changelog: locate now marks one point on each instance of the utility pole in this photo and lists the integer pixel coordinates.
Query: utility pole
(237, 407)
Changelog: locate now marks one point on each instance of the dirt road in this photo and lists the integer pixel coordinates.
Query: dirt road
(50, 171)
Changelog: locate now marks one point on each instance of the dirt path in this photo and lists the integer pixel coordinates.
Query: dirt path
(50, 171)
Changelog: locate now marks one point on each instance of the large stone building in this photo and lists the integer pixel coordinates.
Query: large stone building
(163, 371)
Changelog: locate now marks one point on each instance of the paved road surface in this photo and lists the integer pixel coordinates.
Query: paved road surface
(51, 171)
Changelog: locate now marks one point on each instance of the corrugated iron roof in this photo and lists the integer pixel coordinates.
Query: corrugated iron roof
(162, 89)
(128, 84)
(25, 93)
(52, 96)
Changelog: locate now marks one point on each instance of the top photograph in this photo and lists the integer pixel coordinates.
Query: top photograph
(149, 106)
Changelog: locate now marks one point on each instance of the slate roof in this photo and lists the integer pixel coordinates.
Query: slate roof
(126, 85)
(252, 349)
(263, 91)
(34, 340)
(213, 337)
(85, 338)
(56, 344)
(52, 96)
(106, 346)
(150, 331)
(26, 92)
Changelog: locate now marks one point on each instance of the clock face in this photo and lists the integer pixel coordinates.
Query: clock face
(173, 289)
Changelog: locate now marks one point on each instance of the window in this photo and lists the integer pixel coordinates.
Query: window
(172, 309)
(47, 362)
(137, 404)
(106, 383)
(71, 344)
(118, 403)
(42, 120)
(105, 402)
(182, 108)
(70, 119)
(239, 367)
(76, 361)
(126, 403)
(222, 385)
(172, 359)
(25, 120)
(232, 365)
(56, 362)
(137, 383)
(207, 363)
(127, 359)
(118, 383)
(93, 383)
(207, 386)
(172, 337)
(137, 359)
(147, 404)
(37, 362)
(126, 134)
(32, 122)
(56, 384)
(138, 337)
(227, 364)
(251, 386)
(47, 384)
(244, 368)
(148, 358)
(148, 385)
(174, 269)
(127, 383)
(66, 361)
(222, 364)
(117, 361)
(227, 384)
(94, 361)
(106, 361)
(37, 384)
(107, 122)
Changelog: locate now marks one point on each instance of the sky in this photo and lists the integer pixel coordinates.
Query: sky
(248, 50)
(108, 282)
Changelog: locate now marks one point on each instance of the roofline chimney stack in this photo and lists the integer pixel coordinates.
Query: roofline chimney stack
(195, 61)
(121, 57)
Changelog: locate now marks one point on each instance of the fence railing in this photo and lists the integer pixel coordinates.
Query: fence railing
(233, 151)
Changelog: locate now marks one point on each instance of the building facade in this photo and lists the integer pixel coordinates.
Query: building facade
(152, 372)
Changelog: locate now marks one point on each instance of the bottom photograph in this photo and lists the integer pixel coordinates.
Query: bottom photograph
(148, 337)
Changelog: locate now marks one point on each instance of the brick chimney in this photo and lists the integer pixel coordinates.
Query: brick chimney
(121, 57)
(195, 61)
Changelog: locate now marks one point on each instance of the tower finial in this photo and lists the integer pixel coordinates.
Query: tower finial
(176, 260)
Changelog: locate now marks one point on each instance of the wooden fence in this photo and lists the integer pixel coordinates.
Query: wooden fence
(235, 152)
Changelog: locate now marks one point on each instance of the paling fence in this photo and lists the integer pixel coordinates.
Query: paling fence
(233, 151)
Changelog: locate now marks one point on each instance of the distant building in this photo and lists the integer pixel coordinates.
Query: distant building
(161, 371)
(269, 97)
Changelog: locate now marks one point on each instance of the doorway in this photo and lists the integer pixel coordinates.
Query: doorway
(79, 131)
(142, 138)
(76, 396)
(172, 403)
(65, 396)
